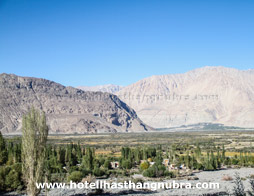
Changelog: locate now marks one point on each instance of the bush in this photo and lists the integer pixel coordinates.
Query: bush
(238, 188)
(157, 170)
(144, 165)
(12, 180)
(199, 166)
(11, 177)
(125, 173)
(251, 192)
(98, 172)
(170, 174)
(126, 164)
(72, 169)
(75, 176)
(85, 172)
(227, 178)
(138, 180)
(150, 172)
(4, 170)
(57, 177)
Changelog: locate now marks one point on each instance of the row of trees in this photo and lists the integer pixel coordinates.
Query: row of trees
(58, 161)
(10, 166)
(190, 157)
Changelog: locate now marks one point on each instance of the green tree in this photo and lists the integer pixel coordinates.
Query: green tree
(3, 150)
(158, 159)
(187, 160)
(223, 156)
(79, 153)
(88, 159)
(34, 138)
(107, 164)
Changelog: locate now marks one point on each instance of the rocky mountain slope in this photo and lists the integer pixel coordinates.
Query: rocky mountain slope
(68, 110)
(205, 95)
(108, 88)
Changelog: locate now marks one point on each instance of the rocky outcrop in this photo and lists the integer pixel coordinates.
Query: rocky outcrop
(68, 110)
(205, 95)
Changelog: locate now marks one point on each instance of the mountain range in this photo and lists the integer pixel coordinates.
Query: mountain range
(68, 109)
(204, 95)
(208, 95)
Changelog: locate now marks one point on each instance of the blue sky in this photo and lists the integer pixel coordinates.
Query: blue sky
(92, 42)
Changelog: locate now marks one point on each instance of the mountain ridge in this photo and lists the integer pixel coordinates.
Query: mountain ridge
(109, 88)
(68, 109)
(224, 95)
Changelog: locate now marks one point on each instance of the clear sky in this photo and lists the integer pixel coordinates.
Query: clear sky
(91, 42)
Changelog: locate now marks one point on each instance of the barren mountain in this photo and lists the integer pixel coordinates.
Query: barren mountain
(108, 88)
(68, 109)
(205, 95)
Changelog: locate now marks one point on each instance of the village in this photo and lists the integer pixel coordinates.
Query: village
(165, 162)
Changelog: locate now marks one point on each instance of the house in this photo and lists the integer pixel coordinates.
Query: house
(114, 164)
(182, 167)
(165, 162)
(173, 167)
